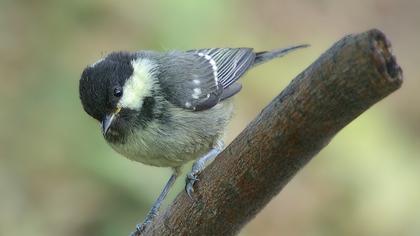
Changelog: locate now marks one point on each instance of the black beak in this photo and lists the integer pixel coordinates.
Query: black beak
(107, 121)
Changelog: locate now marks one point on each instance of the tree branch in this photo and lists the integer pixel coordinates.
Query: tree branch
(351, 76)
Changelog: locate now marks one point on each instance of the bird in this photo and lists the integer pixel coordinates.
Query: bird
(167, 108)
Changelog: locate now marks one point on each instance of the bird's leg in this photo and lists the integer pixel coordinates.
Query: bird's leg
(199, 166)
(155, 208)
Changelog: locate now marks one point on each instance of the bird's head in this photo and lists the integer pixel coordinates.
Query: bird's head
(117, 91)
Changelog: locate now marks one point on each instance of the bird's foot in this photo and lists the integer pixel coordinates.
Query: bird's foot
(140, 228)
(192, 177)
(199, 166)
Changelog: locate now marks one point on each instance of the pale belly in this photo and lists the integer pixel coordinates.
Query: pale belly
(188, 136)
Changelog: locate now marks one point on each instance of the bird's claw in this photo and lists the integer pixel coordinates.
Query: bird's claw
(190, 181)
(140, 228)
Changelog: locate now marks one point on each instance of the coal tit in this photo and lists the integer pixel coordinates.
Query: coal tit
(167, 108)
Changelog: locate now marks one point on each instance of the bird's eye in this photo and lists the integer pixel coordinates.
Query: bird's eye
(118, 92)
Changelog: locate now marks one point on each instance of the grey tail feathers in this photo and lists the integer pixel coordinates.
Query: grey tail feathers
(261, 57)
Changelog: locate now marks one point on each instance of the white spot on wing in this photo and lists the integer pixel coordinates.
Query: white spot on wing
(196, 93)
(196, 81)
(139, 85)
(213, 66)
(188, 104)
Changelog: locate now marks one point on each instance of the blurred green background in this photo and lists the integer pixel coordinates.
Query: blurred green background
(59, 177)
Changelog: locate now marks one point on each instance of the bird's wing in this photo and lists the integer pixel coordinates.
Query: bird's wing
(231, 63)
(198, 79)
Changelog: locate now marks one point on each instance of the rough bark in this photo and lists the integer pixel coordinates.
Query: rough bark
(355, 73)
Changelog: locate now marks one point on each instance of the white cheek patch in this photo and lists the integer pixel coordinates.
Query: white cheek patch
(139, 85)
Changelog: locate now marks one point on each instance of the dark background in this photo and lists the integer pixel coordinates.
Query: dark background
(59, 177)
